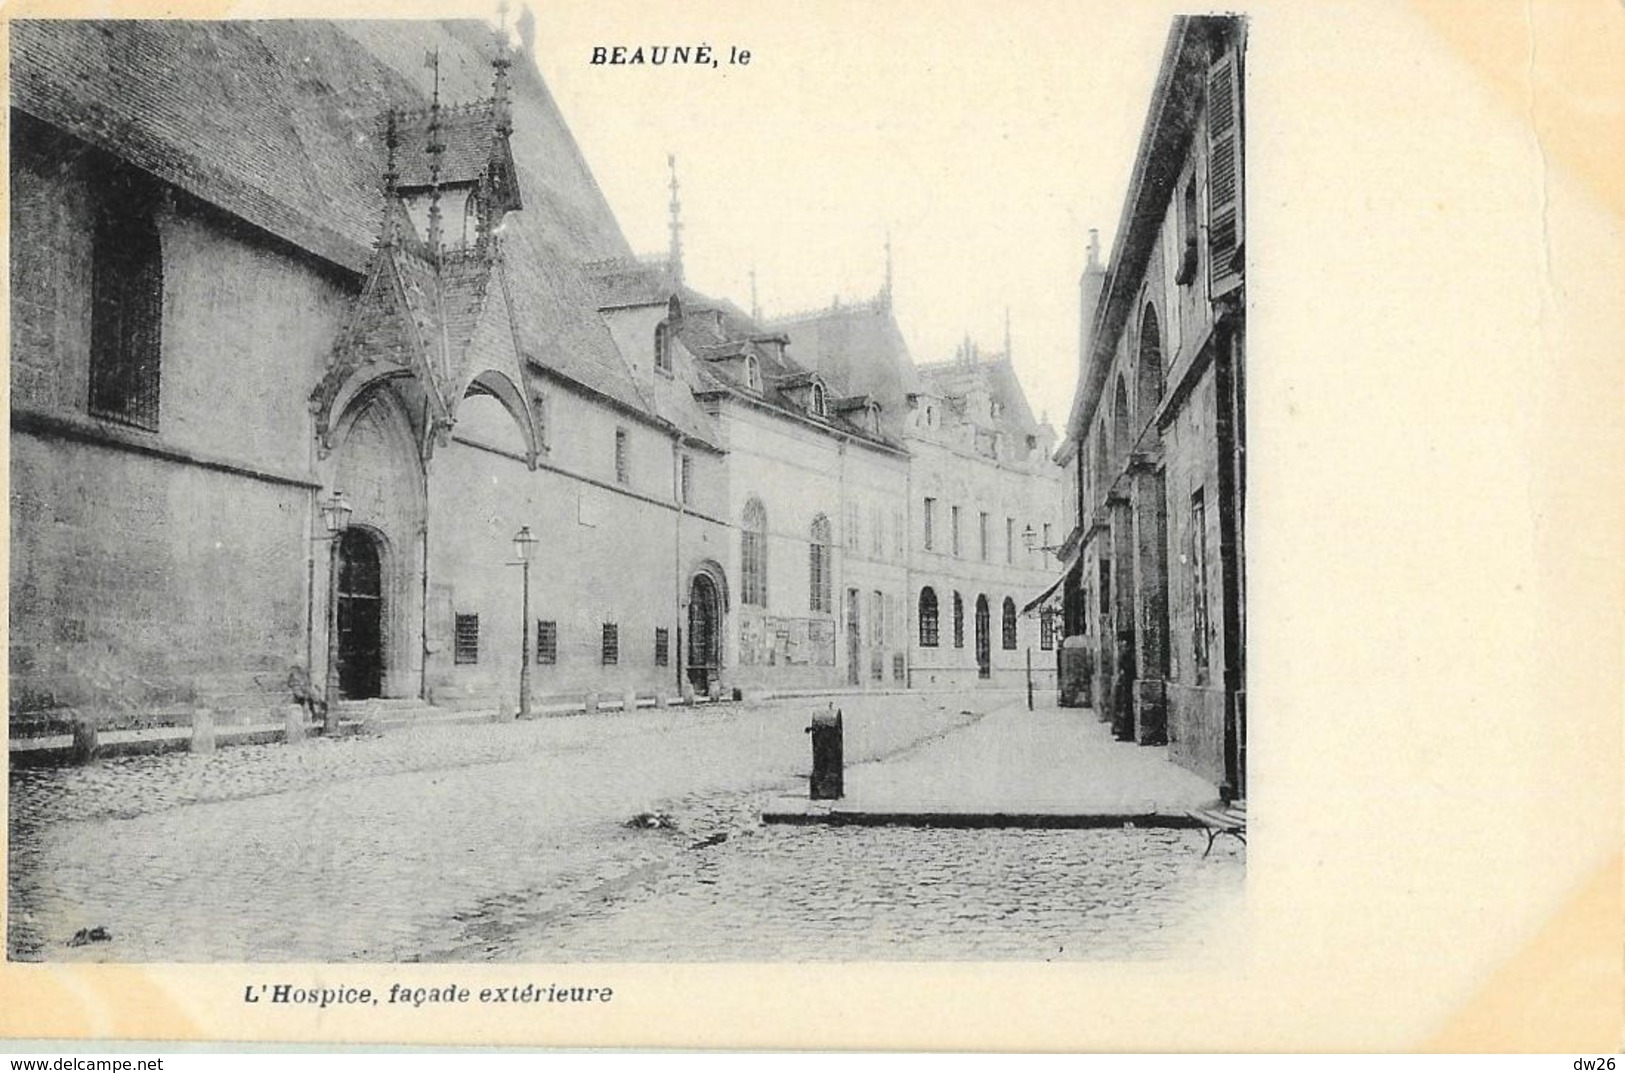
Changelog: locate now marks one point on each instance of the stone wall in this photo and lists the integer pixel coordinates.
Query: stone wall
(155, 570)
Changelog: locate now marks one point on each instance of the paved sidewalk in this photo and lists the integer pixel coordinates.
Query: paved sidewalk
(1049, 767)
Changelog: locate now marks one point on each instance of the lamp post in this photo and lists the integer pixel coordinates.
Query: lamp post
(336, 511)
(1030, 539)
(522, 542)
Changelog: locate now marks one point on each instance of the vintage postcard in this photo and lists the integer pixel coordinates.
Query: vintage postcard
(1074, 525)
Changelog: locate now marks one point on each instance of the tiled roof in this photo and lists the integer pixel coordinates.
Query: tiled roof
(859, 350)
(951, 379)
(716, 331)
(281, 123)
(466, 135)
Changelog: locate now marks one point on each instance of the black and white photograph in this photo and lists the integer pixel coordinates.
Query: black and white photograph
(752, 525)
(413, 562)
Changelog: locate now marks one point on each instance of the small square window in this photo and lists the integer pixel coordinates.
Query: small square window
(547, 642)
(612, 644)
(466, 647)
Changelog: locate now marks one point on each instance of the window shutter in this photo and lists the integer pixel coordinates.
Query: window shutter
(1224, 174)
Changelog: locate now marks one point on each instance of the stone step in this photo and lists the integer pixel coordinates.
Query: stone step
(382, 704)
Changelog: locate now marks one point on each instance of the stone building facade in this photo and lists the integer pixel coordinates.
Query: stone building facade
(255, 264)
(980, 478)
(1155, 565)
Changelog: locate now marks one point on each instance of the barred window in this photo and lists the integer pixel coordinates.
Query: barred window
(930, 520)
(928, 618)
(547, 642)
(955, 519)
(685, 487)
(1009, 624)
(981, 527)
(612, 644)
(819, 596)
(127, 308)
(1046, 629)
(1009, 540)
(466, 639)
(662, 646)
(753, 555)
(959, 621)
(853, 538)
(623, 463)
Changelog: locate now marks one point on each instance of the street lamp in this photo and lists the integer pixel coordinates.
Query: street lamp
(1030, 539)
(522, 542)
(336, 512)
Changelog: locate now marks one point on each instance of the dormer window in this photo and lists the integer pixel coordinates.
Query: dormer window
(663, 347)
(753, 374)
(819, 407)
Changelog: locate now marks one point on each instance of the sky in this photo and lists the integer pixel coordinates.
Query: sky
(985, 140)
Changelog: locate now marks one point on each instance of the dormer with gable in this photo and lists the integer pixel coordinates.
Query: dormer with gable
(862, 412)
(808, 393)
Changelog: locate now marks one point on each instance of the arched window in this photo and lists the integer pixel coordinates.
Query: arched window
(1148, 367)
(753, 374)
(1009, 624)
(1121, 443)
(959, 621)
(818, 567)
(1102, 463)
(928, 618)
(753, 555)
(818, 404)
(663, 346)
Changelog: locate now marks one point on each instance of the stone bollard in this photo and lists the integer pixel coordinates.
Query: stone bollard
(714, 694)
(688, 694)
(661, 699)
(86, 743)
(202, 731)
(590, 705)
(629, 702)
(293, 723)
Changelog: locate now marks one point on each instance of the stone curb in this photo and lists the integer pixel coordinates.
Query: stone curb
(1029, 820)
(57, 750)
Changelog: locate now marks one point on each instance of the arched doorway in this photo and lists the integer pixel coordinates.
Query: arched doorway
(360, 615)
(984, 641)
(704, 633)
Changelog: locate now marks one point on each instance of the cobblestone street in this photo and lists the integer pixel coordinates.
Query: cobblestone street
(491, 841)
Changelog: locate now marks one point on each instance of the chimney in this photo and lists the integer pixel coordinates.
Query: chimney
(1089, 288)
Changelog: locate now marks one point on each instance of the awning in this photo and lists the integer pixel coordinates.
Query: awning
(1066, 568)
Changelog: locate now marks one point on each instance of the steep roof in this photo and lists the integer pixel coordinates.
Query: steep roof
(996, 376)
(466, 135)
(714, 330)
(281, 123)
(859, 350)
